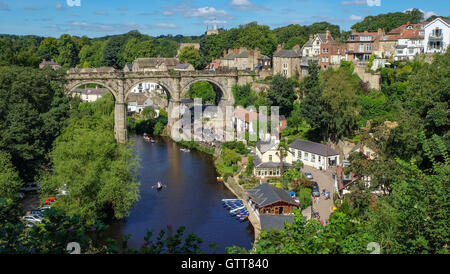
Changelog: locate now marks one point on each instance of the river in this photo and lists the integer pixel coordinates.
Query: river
(192, 198)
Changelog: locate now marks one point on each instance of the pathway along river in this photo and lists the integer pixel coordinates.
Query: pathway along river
(192, 198)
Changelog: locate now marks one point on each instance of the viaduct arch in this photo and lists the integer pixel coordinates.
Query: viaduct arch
(120, 84)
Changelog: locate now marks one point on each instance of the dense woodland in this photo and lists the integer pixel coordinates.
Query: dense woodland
(118, 50)
(42, 132)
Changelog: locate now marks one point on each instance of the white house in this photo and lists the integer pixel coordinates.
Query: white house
(137, 102)
(311, 49)
(437, 35)
(146, 87)
(90, 94)
(410, 42)
(314, 154)
(267, 160)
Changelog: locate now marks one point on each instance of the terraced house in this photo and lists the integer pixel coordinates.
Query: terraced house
(287, 62)
(361, 45)
(410, 41)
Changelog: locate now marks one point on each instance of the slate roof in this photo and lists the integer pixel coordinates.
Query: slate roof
(316, 148)
(137, 97)
(229, 56)
(286, 53)
(274, 222)
(129, 67)
(267, 194)
(182, 66)
(244, 54)
(155, 62)
(264, 146)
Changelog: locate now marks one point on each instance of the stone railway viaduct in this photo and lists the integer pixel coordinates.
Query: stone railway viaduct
(175, 83)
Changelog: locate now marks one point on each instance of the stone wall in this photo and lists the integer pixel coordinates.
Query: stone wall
(374, 80)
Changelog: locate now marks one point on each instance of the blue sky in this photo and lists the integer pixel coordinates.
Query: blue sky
(96, 18)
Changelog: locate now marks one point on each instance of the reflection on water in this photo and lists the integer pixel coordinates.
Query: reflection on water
(192, 199)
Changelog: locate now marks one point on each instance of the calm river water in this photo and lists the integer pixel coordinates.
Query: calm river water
(192, 198)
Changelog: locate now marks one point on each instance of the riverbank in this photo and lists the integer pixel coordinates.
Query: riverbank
(231, 183)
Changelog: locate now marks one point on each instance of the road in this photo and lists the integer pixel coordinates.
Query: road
(325, 180)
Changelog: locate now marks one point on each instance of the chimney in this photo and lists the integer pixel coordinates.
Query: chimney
(242, 49)
(328, 34)
(380, 32)
(224, 52)
(236, 51)
(279, 47)
(230, 50)
(251, 53)
(310, 36)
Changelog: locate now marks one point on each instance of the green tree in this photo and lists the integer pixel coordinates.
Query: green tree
(67, 51)
(203, 90)
(10, 182)
(48, 49)
(190, 55)
(282, 94)
(98, 187)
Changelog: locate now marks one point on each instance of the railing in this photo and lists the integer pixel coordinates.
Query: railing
(435, 37)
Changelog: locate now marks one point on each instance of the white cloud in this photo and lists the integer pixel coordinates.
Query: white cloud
(355, 17)
(428, 14)
(354, 2)
(369, 3)
(246, 5)
(188, 11)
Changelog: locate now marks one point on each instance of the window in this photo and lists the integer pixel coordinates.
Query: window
(270, 158)
(285, 69)
(325, 50)
(299, 154)
(306, 156)
(369, 47)
(361, 47)
(313, 158)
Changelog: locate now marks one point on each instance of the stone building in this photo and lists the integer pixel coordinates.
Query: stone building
(361, 45)
(89, 94)
(154, 64)
(331, 52)
(52, 64)
(387, 45)
(240, 59)
(287, 62)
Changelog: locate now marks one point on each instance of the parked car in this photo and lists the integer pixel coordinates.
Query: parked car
(38, 213)
(32, 218)
(309, 175)
(31, 187)
(43, 208)
(315, 190)
(50, 200)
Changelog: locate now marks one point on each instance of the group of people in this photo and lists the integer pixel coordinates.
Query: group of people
(326, 194)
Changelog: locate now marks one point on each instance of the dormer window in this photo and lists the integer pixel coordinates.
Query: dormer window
(410, 27)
